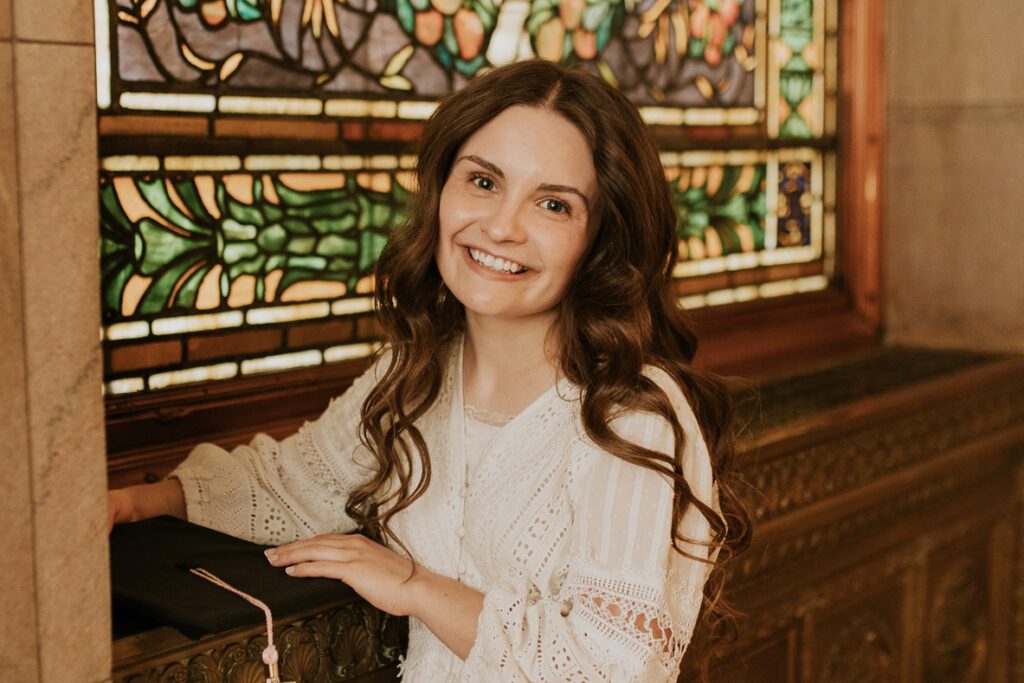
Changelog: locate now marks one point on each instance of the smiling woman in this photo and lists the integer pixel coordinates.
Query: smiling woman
(578, 528)
(513, 226)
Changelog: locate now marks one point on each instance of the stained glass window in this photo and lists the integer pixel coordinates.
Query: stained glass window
(255, 154)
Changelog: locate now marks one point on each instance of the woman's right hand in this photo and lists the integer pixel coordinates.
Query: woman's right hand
(120, 508)
(142, 502)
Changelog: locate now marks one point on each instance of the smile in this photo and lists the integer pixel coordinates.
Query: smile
(496, 264)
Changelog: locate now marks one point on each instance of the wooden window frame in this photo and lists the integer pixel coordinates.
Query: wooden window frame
(148, 434)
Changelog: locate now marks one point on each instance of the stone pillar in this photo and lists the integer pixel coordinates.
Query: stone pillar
(955, 166)
(54, 602)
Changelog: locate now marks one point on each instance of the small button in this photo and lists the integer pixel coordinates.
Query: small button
(566, 608)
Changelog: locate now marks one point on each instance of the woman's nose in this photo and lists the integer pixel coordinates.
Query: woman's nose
(505, 224)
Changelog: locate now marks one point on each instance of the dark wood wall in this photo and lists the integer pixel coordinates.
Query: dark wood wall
(888, 526)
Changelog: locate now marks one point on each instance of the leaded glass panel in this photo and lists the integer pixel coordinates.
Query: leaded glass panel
(255, 155)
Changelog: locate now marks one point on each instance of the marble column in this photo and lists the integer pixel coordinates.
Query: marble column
(54, 602)
(955, 174)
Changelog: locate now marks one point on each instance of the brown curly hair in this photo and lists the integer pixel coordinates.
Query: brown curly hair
(619, 313)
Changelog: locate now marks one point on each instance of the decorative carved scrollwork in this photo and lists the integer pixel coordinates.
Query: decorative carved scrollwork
(957, 645)
(331, 647)
(864, 651)
(808, 475)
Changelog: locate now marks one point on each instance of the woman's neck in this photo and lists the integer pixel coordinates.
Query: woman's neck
(507, 363)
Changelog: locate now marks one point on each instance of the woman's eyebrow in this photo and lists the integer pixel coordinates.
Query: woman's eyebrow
(549, 187)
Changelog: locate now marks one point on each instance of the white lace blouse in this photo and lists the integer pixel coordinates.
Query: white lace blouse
(569, 544)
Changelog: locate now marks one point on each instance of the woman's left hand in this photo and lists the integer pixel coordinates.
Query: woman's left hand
(379, 575)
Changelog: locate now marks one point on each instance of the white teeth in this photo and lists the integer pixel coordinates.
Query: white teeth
(494, 263)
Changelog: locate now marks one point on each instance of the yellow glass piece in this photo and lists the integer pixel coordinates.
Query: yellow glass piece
(127, 385)
(284, 361)
(133, 292)
(270, 283)
(205, 163)
(275, 106)
(269, 191)
(314, 289)
(132, 330)
(168, 101)
(243, 291)
(283, 314)
(350, 306)
(198, 323)
(101, 28)
(312, 182)
(207, 188)
(135, 206)
(207, 373)
(208, 294)
(384, 109)
(130, 162)
(419, 111)
(282, 162)
(239, 186)
(349, 351)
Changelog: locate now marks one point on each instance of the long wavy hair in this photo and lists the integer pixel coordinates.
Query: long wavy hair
(618, 314)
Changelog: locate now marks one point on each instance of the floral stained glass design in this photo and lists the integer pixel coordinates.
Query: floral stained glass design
(253, 249)
(178, 244)
(678, 53)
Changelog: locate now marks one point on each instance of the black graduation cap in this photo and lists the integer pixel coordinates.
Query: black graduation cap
(151, 585)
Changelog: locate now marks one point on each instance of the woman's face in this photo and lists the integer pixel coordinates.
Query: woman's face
(517, 214)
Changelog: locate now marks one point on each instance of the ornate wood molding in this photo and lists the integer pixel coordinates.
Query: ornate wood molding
(337, 645)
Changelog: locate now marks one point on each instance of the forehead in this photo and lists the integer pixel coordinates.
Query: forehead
(536, 143)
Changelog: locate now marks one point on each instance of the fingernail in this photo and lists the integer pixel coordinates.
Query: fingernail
(270, 553)
(289, 570)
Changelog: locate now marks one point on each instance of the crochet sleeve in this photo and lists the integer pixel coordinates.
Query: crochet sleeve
(629, 602)
(274, 492)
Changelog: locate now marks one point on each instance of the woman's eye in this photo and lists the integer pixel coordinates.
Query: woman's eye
(557, 206)
(483, 182)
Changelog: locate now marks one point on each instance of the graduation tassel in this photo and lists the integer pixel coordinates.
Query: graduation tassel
(270, 657)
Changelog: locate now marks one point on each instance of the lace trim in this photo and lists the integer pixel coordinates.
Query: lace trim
(490, 417)
(633, 615)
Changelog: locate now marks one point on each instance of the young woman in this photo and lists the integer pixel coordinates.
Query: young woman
(533, 436)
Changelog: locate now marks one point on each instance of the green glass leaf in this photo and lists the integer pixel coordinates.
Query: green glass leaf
(444, 56)
(155, 193)
(186, 297)
(407, 15)
(158, 296)
(155, 246)
(294, 226)
(272, 239)
(190, 198)
(243, 213)
(370, 246)
(335, 245)
(593, 15)
(233, 230)
(113, 286)
(795, 88)
(537, 19)
(448, 37)
(301, 245)
(118, 222)
(336, 224)
(795, 127)
(238, 251)
(695, 48)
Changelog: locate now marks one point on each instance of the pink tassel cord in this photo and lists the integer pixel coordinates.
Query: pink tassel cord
(270, 653)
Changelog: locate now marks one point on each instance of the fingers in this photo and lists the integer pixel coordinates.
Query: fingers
(308, 551)
(326, 570)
